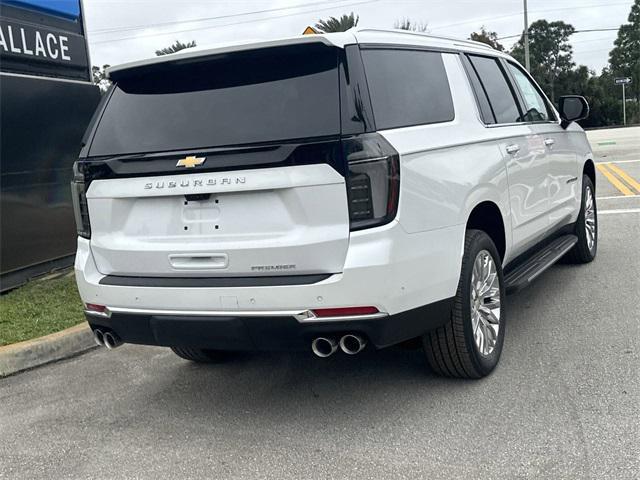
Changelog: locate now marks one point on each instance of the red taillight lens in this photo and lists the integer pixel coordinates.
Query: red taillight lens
(344, 311)
(373, 180)
(79, 200)
(94, 307)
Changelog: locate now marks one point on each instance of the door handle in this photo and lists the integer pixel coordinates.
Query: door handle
(513, 149)
(549, 142)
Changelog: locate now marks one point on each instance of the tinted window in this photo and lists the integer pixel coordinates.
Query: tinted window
(495, 84)
(536, 109)
(407, 87)
(278, 94)
(480, 93)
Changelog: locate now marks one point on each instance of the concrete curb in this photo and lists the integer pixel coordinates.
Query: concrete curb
(32, 353)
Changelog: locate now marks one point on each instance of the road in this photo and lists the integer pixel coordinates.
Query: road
(563, 402)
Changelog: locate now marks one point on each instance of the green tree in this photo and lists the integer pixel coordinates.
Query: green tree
(342, 24)
(490, 38)
(176, 47)
(407, 24)
(100, 77)
(550, 52)
(604, 108)
(624, 59)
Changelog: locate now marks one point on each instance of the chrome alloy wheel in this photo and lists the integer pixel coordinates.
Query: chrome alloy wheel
(590, 218)
(485, 302)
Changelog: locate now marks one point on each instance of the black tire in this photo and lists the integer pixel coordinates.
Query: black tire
(199, 355)
(581, 253)
(451, 349)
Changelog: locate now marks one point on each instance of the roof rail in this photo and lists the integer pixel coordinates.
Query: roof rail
(426, 35)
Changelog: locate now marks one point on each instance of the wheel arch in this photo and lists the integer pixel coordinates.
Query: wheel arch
(589, 169)
(486, 216)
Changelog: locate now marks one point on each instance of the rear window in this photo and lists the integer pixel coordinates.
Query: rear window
(407, 87)
(252, 97)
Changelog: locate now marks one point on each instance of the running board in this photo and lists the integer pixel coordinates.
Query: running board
(528, 271)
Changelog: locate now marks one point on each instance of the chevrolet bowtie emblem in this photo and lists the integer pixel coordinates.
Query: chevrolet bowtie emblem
(190, 162)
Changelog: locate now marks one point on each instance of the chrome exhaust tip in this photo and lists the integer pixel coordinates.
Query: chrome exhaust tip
(324, 347)
(111, 340)
(98, 337)
(352, 344)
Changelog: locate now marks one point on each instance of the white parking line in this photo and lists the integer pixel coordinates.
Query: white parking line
(613, 197)
(619, 161)
(622, 210)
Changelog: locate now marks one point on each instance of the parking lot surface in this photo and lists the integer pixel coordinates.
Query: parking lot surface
(563, 403)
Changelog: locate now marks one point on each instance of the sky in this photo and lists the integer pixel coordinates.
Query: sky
(124, 30)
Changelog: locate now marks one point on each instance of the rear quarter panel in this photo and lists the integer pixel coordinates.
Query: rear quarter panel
(449, 168)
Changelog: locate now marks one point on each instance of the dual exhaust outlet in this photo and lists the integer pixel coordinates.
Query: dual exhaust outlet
(326, 346)
(106, 338)
(323, 347)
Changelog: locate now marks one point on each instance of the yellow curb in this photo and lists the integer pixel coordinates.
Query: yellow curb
(56, 346)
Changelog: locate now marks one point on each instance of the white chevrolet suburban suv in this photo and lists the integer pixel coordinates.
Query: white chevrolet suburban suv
(327, 192)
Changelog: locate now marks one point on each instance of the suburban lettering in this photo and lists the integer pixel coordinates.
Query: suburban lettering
(197, 182)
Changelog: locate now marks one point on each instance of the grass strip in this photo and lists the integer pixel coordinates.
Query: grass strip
(39, 308)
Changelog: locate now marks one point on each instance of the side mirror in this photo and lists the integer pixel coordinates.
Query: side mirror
(572, 109)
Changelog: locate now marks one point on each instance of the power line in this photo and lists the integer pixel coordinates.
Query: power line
(103, 31)
(135, 37)
(480, 19)
(599, 39)
(575, 31)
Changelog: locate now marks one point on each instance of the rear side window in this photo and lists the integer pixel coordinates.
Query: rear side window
(481, 94)
(270, 95)
(496, 87)
(536, 108)
(407, 87)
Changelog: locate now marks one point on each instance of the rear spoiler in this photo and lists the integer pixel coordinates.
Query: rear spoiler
(199, 55)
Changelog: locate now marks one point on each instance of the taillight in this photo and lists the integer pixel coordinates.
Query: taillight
(94, 307)
(373, 180)
(79, 199)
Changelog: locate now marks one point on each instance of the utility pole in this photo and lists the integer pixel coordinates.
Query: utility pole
(527, 62)
(624, 106)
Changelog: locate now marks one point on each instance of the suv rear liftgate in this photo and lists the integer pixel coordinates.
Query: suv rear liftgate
(241, 169)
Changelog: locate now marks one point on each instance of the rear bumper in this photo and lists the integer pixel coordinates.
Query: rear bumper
(275, 331)
(406, 276)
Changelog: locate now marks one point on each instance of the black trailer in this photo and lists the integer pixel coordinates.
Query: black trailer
(46, 101)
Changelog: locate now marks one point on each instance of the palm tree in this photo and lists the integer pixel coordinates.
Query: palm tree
(407, 24)
(342, 24)
(176, 47)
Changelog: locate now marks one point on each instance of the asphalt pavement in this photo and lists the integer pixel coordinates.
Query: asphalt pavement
(563, 403)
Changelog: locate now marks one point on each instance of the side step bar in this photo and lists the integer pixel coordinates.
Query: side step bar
(528, 271)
